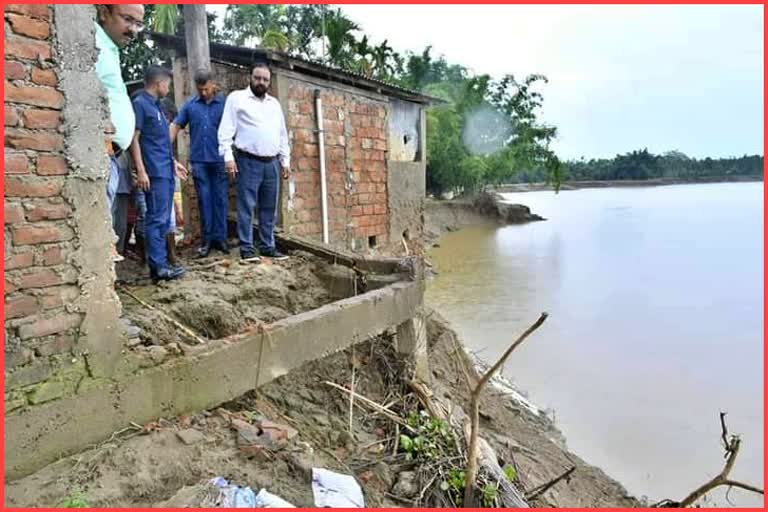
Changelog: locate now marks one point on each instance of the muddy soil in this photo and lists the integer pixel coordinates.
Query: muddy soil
(220, 296)
(149, 466)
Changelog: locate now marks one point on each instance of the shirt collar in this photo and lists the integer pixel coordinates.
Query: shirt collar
(217, 98)
(267, 97)
(149, 97)
(105, 42)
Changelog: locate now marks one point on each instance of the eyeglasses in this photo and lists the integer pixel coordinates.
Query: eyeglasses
(131, 21)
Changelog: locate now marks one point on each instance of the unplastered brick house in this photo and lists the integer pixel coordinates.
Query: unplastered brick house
(374, 148)
(67, 378)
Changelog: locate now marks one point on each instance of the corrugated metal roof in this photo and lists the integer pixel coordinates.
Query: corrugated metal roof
(246, 56)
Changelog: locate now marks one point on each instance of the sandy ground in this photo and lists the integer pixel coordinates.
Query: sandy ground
(149, 466)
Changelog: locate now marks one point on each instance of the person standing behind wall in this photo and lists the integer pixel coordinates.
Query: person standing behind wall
(153, 156)
(203, 115)
(253, 123)
(116, 26)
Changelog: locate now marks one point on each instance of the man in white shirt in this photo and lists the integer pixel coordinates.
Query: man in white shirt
(254, 143)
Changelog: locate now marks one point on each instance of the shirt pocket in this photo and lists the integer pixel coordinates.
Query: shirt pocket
(152, 124)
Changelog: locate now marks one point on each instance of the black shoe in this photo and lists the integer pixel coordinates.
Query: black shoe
(167, 274)
(204, 250)
(223, 246)
(248, 256)
(274, 254)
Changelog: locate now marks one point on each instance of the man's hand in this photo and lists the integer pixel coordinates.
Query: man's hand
(286, 172)
(142, 180)
(180, 170)
(231, 167)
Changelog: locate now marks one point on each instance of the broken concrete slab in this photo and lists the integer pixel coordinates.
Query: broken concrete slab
(190, 436)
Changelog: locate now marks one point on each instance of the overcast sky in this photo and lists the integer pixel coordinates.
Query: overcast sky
(685, 77)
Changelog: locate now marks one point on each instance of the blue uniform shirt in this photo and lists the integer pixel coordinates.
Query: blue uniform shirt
(203, 119)
(156, 150)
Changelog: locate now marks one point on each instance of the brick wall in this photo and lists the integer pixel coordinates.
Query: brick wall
(47, 303)
(356, 169)
(356, 151)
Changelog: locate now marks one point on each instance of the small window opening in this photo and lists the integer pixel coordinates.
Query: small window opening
(371, 242)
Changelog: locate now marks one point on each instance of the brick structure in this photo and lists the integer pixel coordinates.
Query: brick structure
(59, 302)
(374, 149)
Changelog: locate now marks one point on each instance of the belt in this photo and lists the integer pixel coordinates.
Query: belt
(257, 157)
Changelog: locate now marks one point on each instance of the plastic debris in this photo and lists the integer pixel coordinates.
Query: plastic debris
(266, 499)
(334, 490)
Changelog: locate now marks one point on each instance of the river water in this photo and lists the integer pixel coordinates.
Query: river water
(655, 298)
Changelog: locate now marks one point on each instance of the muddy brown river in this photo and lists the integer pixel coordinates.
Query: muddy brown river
(655, 298)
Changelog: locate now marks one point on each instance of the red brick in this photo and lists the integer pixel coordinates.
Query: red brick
(35, 234)
(310, 150)
(37, 96)
(40, 141)
(44, 77)
(22, 260)
(26, 48)
(16, 163)
(356, 211)
(51, 165)
(58, 297)
(48, 326)
(9, 287)
(19, 307)
(380, 209)
(53, 256)
(40, 278)
(26, 26)
(34, 118)
(32, 187)
(381, 187)
(34, 10)
(308, 164)
(10, 116)
(12, 213)
(48, 212)
(15, 70)
(57, 345)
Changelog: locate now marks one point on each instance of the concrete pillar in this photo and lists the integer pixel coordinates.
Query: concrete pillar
(412, 341)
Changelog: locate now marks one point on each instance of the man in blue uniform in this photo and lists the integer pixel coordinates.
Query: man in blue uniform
(203, 114)
(153, 157)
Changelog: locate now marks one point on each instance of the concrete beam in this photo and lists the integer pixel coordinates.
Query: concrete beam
(220, 372)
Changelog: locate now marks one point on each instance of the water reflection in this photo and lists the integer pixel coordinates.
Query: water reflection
(656, 323)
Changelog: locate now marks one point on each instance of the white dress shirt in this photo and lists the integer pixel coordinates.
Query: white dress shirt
(255, 125)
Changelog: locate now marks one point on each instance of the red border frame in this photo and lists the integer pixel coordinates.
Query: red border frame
(431, 2)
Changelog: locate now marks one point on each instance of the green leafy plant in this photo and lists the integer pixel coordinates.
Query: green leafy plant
(76, 499)
(510, 473)
(454, 484)
(429, 439)
(490, 492)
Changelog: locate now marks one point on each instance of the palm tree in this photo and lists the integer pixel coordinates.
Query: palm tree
(382, 55)
(166, 17)
(257, 24)
(338, 31)
(363, 53)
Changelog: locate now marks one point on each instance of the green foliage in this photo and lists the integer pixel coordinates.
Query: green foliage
(76, 499)
(510, 473)
(642, 165)
(489, 494)
(431, 440)
(165, 18)
(454, 485)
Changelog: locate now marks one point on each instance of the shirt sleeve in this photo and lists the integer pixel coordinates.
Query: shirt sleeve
(182, 118)
(285, 150)
(138, 109)
(226, 134)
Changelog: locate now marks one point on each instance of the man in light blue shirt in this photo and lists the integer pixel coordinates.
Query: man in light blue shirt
(117, 26)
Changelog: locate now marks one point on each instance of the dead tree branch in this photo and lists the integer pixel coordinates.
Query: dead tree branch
(541, 489)
(731, 444)
(471, 473)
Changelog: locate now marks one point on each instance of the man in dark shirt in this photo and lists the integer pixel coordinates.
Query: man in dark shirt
(153, 157)
(203, 114)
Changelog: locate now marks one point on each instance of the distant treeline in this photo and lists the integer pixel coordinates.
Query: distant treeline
(643, 165)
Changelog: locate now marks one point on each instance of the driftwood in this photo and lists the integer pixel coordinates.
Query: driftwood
(731, 445)
(470, 484)
(541, 489)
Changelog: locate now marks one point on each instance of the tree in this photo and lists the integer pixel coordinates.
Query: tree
(340, 38)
